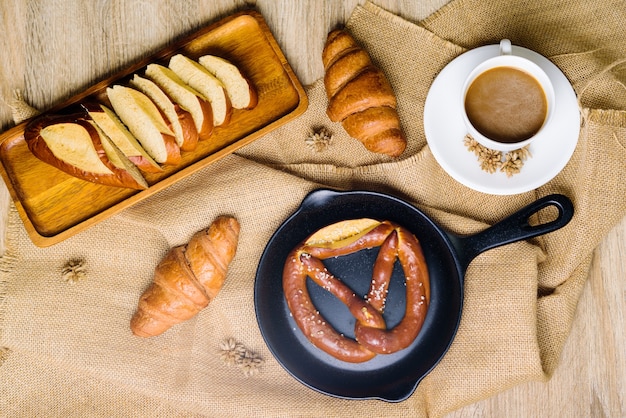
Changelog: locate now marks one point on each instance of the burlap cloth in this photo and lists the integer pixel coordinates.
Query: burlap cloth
(68, 348)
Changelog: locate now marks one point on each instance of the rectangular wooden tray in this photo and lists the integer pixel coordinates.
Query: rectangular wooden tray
(54, 206)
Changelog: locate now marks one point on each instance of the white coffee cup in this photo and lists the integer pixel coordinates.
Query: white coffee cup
(503, 108)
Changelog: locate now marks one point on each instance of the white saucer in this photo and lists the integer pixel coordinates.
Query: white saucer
(445, 130)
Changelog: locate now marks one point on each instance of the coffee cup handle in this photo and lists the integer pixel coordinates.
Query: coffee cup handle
(505, 47)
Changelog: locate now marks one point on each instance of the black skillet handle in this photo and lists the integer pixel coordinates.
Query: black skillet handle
(514, 228)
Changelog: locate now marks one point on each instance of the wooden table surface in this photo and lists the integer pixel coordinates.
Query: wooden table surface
(52, 49)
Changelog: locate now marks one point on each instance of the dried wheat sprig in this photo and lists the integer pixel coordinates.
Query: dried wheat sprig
(510, 163)
(234, 353)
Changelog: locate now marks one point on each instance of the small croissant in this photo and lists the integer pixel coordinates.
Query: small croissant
(360, 96)
(187, 279)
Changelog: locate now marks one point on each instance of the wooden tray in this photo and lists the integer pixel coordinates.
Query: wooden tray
(54, 206)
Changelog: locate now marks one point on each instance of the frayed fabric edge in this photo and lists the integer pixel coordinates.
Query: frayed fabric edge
(8, 261)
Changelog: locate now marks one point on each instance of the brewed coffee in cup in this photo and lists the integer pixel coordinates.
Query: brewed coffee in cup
(506, 104)
(507, 100)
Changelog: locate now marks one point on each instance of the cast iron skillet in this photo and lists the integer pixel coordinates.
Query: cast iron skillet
(392, 377)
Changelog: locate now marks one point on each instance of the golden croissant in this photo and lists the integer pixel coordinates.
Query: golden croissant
(187, 279)
(360, 96)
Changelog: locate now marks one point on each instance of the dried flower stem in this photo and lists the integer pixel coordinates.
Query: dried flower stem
(234, 353)
(319, 139)
(510, 163)
(74, 271)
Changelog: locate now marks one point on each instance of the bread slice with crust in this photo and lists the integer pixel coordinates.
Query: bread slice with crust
(179, 119)
(189, 99)
(115, 130)
(201, 80)
(239, 89)
(78, 147)
(146, 122)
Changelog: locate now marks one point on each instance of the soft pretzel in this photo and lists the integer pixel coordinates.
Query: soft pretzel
(371, 334)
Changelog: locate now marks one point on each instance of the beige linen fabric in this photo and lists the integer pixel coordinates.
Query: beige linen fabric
(519, 299)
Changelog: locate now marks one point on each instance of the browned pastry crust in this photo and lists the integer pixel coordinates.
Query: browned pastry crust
(344, 69)
(377, 127)
(367, 90)
(355, 85)
(187, 279)
(337, 42)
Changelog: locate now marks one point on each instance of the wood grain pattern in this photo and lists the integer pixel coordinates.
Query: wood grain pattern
(100, 37)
